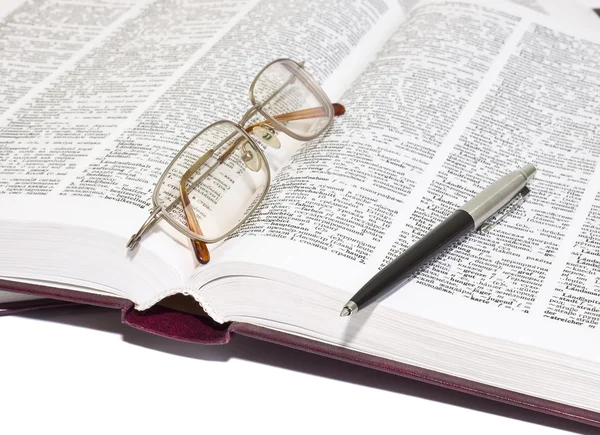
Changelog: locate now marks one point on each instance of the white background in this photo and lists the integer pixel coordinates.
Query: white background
(79, 370)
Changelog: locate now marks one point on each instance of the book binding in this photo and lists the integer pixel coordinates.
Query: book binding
(178, 325)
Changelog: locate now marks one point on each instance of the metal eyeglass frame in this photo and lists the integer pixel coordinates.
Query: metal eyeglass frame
(276, 122)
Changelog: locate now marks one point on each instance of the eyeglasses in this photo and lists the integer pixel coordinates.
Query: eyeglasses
(221, 175)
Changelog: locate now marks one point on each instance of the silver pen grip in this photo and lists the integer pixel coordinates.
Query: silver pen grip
(498, 194)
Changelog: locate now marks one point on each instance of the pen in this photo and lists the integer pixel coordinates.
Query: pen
(469, 217)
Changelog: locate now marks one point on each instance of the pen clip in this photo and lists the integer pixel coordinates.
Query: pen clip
(514, 203)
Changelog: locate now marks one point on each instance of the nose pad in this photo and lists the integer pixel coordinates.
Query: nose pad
(250, 157)
(267, 135)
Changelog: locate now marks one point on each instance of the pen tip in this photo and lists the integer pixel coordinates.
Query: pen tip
(345, 312)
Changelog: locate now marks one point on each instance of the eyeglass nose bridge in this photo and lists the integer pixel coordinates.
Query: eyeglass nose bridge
(154, 217)
(249, 114)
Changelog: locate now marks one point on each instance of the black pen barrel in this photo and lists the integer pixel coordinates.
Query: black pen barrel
(457, 224)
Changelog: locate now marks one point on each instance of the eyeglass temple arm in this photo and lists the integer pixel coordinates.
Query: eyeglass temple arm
(313, 112)
(200, 249)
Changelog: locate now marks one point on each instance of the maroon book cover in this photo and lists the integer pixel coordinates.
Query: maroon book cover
(185, 326)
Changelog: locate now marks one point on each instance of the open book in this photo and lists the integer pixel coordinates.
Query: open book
(441, 97)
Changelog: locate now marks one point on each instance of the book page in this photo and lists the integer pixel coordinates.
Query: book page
(574, 13)
(431, 122)
(538, 106)
(99, 96)
(75, 74)
(568, 12)
(582, 16)
(342, 194)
